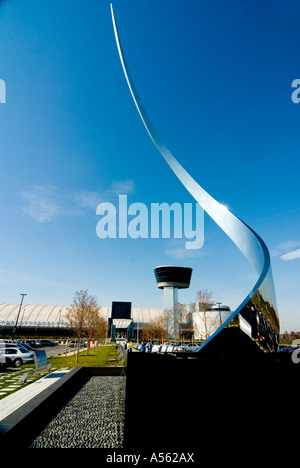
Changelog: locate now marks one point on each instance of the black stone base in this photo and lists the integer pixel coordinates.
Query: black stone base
(187, 402)
(22, 426)
(177, 403)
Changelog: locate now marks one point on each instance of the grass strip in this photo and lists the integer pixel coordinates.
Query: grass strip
(99, 357)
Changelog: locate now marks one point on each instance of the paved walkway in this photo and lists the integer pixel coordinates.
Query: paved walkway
(17, 399)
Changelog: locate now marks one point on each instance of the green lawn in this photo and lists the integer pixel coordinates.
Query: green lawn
(105, 355)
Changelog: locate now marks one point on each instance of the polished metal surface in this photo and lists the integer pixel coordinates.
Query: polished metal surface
(259, 306)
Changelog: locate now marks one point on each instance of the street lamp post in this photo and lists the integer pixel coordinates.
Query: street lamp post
(15, 328)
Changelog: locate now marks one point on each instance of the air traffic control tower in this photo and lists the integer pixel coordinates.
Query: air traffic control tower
(170, 279)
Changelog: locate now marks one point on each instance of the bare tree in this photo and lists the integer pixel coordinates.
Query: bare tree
(204, 300)
(206, 322)
(100, 329)
(156, 328)
(149, 331)
(184, 319)
(83, 316)
(168, 324)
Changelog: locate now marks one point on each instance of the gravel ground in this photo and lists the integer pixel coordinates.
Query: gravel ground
(93, 418)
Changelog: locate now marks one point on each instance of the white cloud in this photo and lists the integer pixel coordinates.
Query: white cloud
(285, 247)
(44, 203)
(287, 250)
(181, 253)
(85, 200)
(122, 187)
(291, 255)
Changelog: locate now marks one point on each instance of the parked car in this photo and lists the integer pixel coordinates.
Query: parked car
(27, 346)
(5, 361)
(17, 355)
(48, 343)
(73, 344)
(190, 347)
(178, 347)
(34, 343)
(9, 344)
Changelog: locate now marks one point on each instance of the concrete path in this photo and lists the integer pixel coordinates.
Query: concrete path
(17, 399)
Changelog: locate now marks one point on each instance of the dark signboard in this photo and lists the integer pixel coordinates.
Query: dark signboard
(121, 310)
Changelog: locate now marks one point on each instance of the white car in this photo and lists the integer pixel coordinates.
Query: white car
(17, 356)
(190, 347)
(178, 348)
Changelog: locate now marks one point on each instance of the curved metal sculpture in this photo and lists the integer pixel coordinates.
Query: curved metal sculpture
(257, 314)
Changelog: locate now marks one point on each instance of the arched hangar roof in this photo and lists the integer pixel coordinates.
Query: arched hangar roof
(33, 313)
(54, 314)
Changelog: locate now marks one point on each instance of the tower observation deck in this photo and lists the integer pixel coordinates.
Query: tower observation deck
(170, 279)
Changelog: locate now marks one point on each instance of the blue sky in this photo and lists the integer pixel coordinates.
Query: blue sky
(215, 78)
